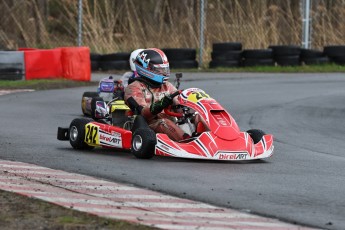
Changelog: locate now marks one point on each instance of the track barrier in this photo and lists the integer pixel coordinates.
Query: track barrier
(72, 63)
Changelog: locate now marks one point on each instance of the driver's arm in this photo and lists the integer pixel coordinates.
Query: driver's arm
(135, 99)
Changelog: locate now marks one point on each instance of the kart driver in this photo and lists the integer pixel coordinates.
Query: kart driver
(129, 76)
(151, 92)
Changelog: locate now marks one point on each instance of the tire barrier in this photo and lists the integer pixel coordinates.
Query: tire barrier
(335, 53)
(286, 55)
(114, 61)
(313, 57)
(12, 65)
(257, 57)
(181, 58)
(95, 58)
(228, 54)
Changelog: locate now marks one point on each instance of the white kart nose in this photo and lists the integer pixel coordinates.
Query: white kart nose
(137, 142)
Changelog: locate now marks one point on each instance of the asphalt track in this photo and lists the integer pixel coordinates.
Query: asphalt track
(302, 183)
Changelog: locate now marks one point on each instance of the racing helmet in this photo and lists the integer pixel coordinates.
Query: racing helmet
(132, 58)
(152, 65)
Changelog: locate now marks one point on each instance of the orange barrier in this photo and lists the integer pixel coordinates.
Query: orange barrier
(68, 62)
(76, 64)
(42, 64)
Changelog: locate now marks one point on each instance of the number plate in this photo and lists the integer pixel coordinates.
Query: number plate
(92, 134)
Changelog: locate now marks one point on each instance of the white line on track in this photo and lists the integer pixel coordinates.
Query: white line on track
(8, 91)
(118, 201)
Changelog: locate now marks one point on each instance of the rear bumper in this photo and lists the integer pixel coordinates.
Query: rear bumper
(63, 134)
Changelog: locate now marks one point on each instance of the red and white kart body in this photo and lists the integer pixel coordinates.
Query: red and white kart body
(221, 140)
(224, 141)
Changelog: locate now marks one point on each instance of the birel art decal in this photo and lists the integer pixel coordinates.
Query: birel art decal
(95, 136)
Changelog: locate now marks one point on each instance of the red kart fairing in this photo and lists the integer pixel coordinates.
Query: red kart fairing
(209, 146)
(224, 141)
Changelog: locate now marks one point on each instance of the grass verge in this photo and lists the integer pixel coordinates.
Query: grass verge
(44, 84)
(20, 212)
(329, 68)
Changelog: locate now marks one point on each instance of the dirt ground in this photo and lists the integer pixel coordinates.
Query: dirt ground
(18, 212)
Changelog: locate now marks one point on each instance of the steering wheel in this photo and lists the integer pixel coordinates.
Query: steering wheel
(168, 111)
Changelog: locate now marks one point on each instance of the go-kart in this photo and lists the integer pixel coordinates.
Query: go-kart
(219, 138)
(108, 91)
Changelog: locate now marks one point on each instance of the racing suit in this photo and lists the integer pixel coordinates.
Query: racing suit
(145, 95)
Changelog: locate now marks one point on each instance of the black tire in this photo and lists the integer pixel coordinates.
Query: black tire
(258, 54)
(143, 143)
(11, 70)
(181, 54)
(93, 106)
(139, 122)
(309, 53)
(90, 94)
(95, 57)
(332, 51)
(316, 61)
(185, 64)
(226, 56)
(85, 95)
(114, 65)
(288, 61)
(256, 134)
(77, 133)
(226, 46)
(226, 64)
(340, 60)
(285, 50)
(94, 65)
(11, 76)
(258, 62)
(115, 57)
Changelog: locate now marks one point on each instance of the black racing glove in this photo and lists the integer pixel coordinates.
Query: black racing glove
(158, 106)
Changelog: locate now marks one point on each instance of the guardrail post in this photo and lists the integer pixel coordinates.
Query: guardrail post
(80, 22)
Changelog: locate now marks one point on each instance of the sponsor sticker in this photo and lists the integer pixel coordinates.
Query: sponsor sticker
(233, 156)
(112, 140)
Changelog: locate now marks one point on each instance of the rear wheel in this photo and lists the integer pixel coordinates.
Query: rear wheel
(85, 96)
(77, 133)
(143, 143)
(256, 134)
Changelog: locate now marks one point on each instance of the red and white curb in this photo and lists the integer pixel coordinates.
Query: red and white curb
(8, 91)
(118, 201)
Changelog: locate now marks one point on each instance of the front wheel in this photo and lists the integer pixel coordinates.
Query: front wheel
(256, 134)
(77, 133)
(143, 143)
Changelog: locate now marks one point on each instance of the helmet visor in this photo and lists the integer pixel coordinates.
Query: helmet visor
(161, 69)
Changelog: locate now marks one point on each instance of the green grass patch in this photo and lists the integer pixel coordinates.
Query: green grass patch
(329, 68)
(43, 84)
